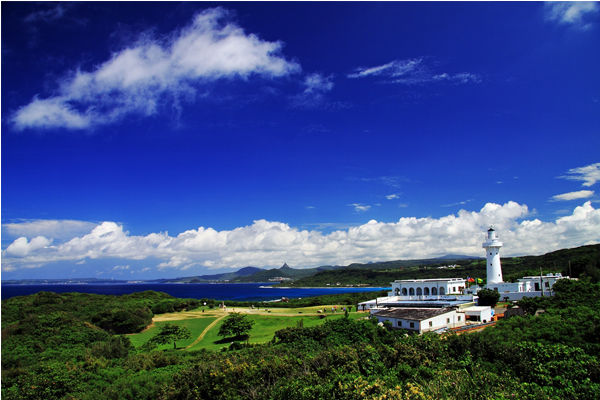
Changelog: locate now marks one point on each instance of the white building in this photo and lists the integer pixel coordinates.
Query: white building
(419, 320)
(479, 313)
(428, 287)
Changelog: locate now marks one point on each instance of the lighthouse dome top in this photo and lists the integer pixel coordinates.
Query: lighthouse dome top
(491, 228)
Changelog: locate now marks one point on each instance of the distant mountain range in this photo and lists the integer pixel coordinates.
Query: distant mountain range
(573, 262)
(253, 274)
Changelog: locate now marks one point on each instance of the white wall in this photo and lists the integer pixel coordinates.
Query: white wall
(437, 322)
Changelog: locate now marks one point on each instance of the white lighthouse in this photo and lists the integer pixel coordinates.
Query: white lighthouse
(492, 248)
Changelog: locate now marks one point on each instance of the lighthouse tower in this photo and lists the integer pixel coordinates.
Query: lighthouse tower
(492, 247)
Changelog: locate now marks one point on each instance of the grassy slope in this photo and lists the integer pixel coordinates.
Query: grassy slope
(196, 327)
(266, 324)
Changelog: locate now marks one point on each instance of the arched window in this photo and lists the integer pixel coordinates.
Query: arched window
(397, 291)
(434, 291)
(404, 293)
(426, 291)
(419, 292)
(411, 292)
(442, 291)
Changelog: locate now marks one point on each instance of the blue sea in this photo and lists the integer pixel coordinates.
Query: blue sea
(217, 291)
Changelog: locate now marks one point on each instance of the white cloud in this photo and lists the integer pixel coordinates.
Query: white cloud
(51, 14)
(393, 69)
(57, 229)
(318, 83)
(360, 207)
(411, 72)
(136, 80)
(23, 247)
(393, 181)
(392, 196)
(313, 96)
(460, 203)
(589, 174)
(574, 13)
(266, 243)
(582, 194)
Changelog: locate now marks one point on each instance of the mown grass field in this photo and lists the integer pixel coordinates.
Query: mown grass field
(266, 323)
(196, 327)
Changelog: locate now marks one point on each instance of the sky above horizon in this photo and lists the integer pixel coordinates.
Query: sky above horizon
(162, 139)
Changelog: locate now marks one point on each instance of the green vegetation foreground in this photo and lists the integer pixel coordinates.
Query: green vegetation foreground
(51, 353)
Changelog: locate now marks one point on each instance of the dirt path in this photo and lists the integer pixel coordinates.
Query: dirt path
(208, 328)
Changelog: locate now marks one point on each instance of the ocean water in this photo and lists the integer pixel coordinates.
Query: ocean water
(217, 291)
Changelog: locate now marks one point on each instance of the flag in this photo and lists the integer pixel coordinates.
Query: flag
(469, 279)
(479, 280)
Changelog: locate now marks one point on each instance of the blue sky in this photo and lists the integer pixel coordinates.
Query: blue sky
(162, 139)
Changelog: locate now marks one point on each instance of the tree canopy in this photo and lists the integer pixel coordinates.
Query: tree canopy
(170, 332)
(236, 324)
(488, 297)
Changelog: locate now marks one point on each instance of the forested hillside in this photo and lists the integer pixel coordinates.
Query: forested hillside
(576, 262)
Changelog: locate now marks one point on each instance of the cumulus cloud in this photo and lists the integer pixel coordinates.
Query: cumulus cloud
(574, 13)
(412, 71)
(589, 174)
(581, 194)
(23, 247)
(266, 243)
(136, 80)
(392, 196)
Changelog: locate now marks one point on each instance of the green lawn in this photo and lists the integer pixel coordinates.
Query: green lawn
(265, 326)
(196, 326)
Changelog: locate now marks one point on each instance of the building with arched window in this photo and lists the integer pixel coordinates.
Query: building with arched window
(424, 289)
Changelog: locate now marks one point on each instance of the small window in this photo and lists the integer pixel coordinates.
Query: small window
(458, 319)
(547, 284)
(399, 323)
(430, 323)
(447, 320)
(412, 324)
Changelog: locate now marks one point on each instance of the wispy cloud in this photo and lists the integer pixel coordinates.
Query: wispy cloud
(50, 14)
(393, 181)
(316, 86)
(359, 207)
(577, 14)
(141, 78)
(57, 229)
(460, 203)
(589, 174)
(266, 243)
(581, 194)
(413, 71)
(393, 196)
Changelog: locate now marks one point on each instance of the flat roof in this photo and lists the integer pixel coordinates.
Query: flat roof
(423, 303)
(477, 308)
(417, 314)
(432, 280)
